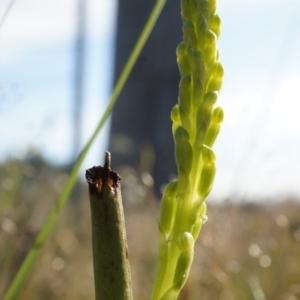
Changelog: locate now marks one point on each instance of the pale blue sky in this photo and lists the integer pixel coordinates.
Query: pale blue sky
(258, 148)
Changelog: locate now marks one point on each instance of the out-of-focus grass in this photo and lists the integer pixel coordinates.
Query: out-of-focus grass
(245, 251)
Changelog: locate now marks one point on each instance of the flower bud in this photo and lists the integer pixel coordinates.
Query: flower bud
(208, 172)
(216, 25)
(209, 100)
(168, 208)
(218, 70)
(198, 90)
(182, 59)
(188, 9)
(214, 84)
(184, 156)
(198, 63)
(184, 94)
(214, 127)
(201, 132)
(181, 135)
(212, 134)
(171, 189)
(182, 268)
(201, 22)
(206, 107)
(181, 274)
(186, 242)
(189, 35)
(197, 227)
(210, 50)
(208, 155)
(210, 39)
(185, 119)
(198, 76)
(175, 117)
(206, 180)
(217, 115)
(212, 6)
(204, 116)
(201, 219)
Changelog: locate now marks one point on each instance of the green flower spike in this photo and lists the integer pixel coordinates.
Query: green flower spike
(196, 125)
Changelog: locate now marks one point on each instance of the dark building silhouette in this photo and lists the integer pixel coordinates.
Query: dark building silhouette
(142, 114)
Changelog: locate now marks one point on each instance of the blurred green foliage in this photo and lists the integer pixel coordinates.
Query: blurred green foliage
(246, 251)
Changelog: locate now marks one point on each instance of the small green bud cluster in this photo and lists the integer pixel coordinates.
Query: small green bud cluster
(196, 125)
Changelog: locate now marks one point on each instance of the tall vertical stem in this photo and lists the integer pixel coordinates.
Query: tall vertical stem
(110, 253)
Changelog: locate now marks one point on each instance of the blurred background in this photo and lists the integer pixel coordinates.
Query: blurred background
(58, 63)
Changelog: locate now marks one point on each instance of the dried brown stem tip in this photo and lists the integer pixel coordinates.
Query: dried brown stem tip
(110, 254)
(100, 178)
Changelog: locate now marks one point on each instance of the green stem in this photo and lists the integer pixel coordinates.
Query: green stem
(166, 268)
(42, 236)
(110, 253)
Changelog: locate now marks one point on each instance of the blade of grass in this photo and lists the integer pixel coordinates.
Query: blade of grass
(42, 236)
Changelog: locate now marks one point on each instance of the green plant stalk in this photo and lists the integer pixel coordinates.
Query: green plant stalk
(110, 253)
(50, 221)
(196, 124)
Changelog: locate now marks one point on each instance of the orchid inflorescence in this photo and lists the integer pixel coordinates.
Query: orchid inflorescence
(196, 124)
